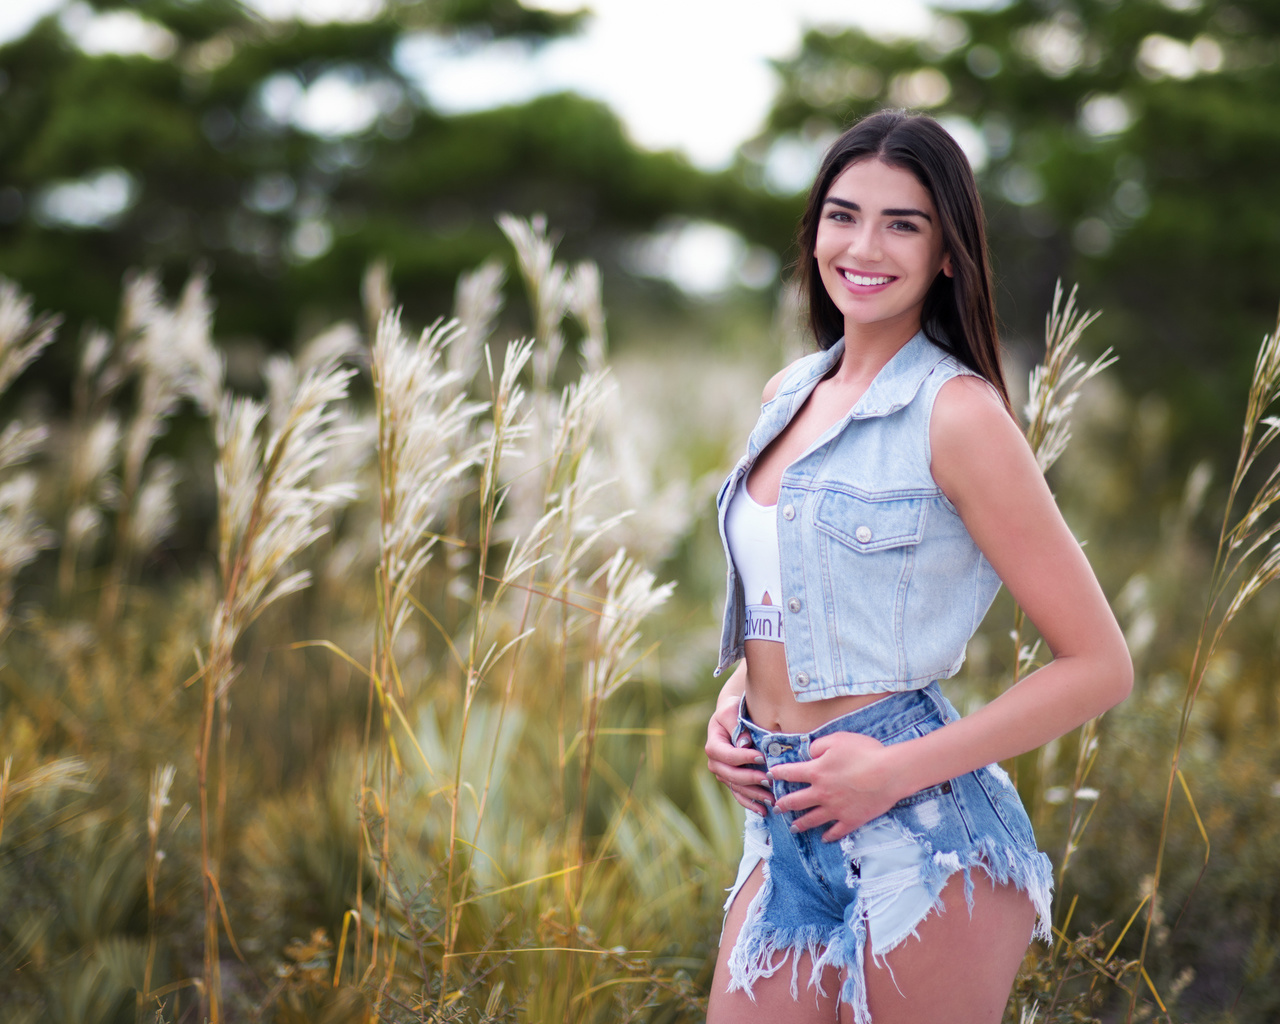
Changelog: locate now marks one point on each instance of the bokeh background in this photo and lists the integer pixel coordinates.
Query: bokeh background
(213, 199)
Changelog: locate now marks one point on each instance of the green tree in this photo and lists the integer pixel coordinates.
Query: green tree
(1130, 145)
(191, 156)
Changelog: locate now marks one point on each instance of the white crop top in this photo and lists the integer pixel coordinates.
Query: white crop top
(752, 532)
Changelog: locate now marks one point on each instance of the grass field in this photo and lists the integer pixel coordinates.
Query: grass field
(368, 696)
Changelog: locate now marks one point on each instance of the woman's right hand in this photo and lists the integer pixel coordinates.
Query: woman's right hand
(740, 767)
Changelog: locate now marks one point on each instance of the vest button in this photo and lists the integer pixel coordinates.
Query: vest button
(863, 533)
(788, 512)
(802, 679)
(794, 604)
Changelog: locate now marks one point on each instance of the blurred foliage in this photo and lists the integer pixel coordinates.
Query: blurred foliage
(1131, 145)
(209, 166)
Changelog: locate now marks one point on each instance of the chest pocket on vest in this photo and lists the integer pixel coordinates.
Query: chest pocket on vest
(869, 525)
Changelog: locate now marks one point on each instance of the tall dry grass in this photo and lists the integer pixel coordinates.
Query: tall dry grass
(456, 781)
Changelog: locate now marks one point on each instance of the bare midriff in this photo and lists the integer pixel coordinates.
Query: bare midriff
(773, 706)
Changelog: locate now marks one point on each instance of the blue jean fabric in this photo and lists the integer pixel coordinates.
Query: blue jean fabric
(882, 586)
(882, 880)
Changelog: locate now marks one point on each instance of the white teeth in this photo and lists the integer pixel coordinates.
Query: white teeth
(863, 279)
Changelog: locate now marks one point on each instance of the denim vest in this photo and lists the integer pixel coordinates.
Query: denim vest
(882, 586)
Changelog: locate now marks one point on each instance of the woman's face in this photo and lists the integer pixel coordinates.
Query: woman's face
(879, 246)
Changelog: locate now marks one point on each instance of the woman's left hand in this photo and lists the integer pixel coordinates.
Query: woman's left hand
(850, 781)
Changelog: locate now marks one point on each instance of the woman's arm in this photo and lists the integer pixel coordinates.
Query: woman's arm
(983, 464)
(738, 767)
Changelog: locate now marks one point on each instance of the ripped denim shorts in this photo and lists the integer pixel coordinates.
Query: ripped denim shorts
(882, 880)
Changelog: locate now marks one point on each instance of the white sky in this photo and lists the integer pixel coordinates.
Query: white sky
(690, 75)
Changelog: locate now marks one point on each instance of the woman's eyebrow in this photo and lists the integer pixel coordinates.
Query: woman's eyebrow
(895, 212)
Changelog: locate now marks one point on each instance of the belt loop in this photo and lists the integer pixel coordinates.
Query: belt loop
(741, 725)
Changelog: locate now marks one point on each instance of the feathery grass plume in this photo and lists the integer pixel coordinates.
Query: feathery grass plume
(423, 422)
(630, 596)
(94, 437)
(269, 510)
(157, 800)
(1055, 384)
(90, 488)
(22, 336)
(548, 285)
(477, 304)
(338, 345)
(154, 511)
(22, 534)
(586, 303)
(171, 352)
(1247, 560)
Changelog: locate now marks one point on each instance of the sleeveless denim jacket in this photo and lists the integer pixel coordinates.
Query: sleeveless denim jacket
(882, 586)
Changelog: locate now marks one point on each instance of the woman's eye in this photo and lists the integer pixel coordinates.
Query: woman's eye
(903, 225)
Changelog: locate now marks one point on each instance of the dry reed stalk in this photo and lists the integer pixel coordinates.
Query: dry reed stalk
(423, 426)
(269, 511)
(1247, 559)
(508, 427)
(1052, 393)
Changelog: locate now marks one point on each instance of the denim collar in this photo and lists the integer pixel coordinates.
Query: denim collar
(893, 387)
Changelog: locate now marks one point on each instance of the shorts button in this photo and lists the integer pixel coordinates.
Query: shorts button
(802, 679)
(774, 749)
(788, 512)
(794, 604)
(863, 533)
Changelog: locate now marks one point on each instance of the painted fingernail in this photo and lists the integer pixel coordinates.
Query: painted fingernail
(742, 741)
(759, 758)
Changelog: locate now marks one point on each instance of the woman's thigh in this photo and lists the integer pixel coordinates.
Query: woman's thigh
(961, 968)
(773, 1002)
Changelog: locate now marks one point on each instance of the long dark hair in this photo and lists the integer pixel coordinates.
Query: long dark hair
(959, 312)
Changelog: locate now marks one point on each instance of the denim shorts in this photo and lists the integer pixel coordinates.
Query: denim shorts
(883, 879)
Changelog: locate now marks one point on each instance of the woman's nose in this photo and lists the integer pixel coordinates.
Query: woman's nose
(865, 245)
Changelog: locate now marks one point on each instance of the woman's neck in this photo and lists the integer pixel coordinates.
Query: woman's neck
(868, 348)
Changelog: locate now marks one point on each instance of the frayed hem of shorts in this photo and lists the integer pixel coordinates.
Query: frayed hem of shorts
(762, 950)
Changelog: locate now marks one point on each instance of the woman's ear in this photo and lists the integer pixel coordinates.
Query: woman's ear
(946, 265)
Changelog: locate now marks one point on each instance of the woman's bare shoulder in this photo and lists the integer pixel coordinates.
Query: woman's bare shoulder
(968, 406)
(775, 382)
(972, 437)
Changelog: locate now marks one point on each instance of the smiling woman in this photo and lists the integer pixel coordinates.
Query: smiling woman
(885, 495)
